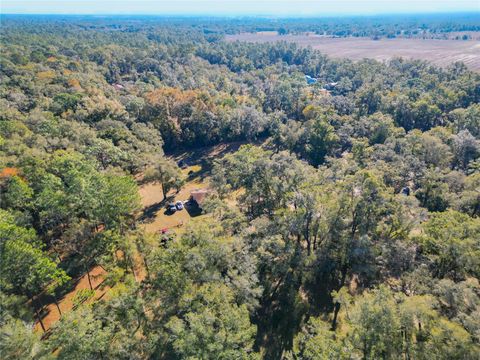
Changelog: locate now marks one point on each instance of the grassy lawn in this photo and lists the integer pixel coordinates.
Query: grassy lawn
(156, 217)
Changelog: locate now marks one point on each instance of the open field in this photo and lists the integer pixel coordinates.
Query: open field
(439, 52)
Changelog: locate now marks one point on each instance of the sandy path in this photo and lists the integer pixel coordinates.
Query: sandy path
(50, 311)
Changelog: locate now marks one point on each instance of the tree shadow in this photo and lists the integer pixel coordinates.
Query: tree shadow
(150, 212)
(193, 209)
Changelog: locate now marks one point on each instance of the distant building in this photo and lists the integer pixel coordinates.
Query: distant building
(310, 80)
(330, 86)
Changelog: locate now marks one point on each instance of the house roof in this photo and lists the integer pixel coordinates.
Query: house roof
(199, 195)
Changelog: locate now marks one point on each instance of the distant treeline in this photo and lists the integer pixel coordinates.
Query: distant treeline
(421, 25)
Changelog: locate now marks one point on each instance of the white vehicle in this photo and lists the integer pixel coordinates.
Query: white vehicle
(179, 205)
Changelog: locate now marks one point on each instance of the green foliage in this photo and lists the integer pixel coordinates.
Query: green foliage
(24, 267)
(317, 341)
(82, 296)
(358, 211)
(451, 242)
(321, 140)
(19, 342)
(382, 324)
(212, 326)
(167, 173)
(79, 335)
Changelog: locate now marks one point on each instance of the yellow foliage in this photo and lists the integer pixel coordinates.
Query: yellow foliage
(172, 97)
(28, 67)
(52, 59)
(74, 83)
(171, 94)
(46, 75)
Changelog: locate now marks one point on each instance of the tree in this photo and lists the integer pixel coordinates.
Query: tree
(317, 341)
(24, 268)
(321, 140)
(119, 201)
(433, 192)
(465, 149)
(211, 326)
(18, 341)
(391, 327)
(79, 335)
(201, 257)
(167, 173)
(451, 243)
(16, 194)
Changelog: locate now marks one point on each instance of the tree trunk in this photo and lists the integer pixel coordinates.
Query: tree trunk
(39, 318)
(88, 276)
(57, 304)
(146, 267)
(125, 259)
(164, 192)
(335, 315)
(337, 305)
(307, 235)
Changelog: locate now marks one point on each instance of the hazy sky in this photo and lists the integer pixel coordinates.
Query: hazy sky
(236, 7)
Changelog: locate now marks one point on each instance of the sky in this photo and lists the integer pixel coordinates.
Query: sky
(237, 7)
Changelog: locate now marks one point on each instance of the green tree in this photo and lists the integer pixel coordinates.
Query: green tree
(211, 326)
(18, 341)
(321, 140)
(451, 244)
(24, 268)
(167, 173)
(79, 335)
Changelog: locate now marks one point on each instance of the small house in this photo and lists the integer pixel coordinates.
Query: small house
(198, 196)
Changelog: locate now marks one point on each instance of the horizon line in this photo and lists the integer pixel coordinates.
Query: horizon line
(250, 15)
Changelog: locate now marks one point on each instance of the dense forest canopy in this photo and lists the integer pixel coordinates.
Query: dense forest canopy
(430, 25)
(355, 227)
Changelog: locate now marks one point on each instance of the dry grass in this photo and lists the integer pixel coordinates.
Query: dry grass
(439, 52)
(152, 200)
(156, 217)
(50, 314)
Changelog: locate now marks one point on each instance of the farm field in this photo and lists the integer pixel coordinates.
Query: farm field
(439, 52)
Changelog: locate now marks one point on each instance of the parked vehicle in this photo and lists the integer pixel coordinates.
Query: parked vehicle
(171, 207)
(179, 205)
